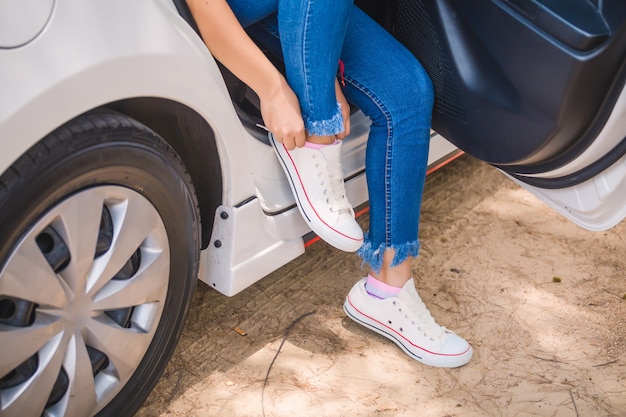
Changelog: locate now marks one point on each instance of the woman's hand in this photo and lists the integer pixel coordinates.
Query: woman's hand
(345, 111)
(281, 114)
(231, 45)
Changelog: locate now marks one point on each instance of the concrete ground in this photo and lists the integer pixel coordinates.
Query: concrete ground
(540, 299)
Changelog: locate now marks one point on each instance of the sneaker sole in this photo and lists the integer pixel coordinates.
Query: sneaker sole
(322, 229)
(423, 356)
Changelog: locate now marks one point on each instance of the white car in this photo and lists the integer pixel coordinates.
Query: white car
(131, 165)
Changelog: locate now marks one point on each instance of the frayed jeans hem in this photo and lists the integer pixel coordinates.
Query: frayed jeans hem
(373, 255)
(325, 127)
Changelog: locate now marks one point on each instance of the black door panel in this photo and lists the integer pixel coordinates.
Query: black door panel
(576, 23)
(519, 83)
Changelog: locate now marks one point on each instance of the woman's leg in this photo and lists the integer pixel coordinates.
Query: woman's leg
(390, 86)
(311, 35)
(386, 81)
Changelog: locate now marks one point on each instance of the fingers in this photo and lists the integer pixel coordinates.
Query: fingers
(292, 139)
(280, 111)
(289, 142)
(300, 139)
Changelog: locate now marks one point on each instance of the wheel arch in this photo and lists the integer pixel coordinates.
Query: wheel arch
(194, 141)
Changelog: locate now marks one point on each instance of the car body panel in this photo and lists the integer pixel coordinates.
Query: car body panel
(611, 135)
(598, 203)
(92, 69)
(22, 20)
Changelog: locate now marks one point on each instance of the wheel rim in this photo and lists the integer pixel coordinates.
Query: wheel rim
(81, 296)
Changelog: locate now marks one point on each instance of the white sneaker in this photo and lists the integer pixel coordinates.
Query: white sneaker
(406, 321)
(316, 180)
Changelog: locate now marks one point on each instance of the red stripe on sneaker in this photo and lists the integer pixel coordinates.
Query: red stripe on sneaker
(309, 200)
(411, 343)
(317, 238)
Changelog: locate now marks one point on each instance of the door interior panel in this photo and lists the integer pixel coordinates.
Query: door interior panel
(576, 23)
(522, 84)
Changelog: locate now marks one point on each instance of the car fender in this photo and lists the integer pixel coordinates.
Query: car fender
(145, 50)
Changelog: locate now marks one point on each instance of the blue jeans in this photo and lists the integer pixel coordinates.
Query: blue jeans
(384, 80)
(311, 66)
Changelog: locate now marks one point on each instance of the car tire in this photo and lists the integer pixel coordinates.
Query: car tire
(99, 253)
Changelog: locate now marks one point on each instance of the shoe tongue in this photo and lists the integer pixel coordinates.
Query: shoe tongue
(409, 292)
(409, 295)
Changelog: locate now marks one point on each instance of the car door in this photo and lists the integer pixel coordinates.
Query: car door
(534, 87)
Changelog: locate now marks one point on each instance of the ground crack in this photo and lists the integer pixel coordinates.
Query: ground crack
(269, 369)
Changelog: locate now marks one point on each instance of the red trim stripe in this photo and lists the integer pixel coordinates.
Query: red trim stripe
(309, 200)
(444, 162)
(411, 343)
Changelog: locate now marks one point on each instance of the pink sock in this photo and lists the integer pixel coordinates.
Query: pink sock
(379, 289)
(312, 145)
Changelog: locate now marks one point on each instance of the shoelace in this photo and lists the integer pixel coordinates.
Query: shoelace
(335, 192)
(425, 322)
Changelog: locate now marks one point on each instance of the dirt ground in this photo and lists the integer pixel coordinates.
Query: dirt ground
(540, 299)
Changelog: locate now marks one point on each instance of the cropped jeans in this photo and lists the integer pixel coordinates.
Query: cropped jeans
(382, 78)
